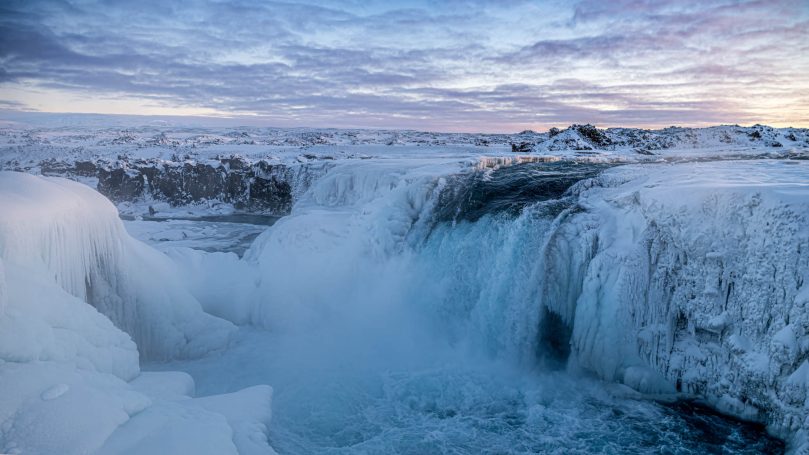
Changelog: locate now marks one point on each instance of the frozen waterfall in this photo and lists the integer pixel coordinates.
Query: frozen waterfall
(417, 304)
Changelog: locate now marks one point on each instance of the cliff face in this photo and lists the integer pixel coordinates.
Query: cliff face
(257, 187)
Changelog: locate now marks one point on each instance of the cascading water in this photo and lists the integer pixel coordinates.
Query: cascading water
(403, 308)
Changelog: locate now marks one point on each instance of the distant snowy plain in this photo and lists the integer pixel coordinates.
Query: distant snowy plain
(440, 294)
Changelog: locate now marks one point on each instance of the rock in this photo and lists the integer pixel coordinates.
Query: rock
(593, 135)
(522, 147)
(85, 168)
(253, 187)
(120, 185)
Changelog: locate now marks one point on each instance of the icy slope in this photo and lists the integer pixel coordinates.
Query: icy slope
(693, 278)
(70, 381)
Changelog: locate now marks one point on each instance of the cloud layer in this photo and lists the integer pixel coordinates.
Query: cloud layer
(451, 65)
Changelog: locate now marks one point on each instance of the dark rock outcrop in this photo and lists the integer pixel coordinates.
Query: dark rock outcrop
(593, 135)
(259, 187)
(522, 147)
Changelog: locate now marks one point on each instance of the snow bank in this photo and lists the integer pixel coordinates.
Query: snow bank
(693, 278)
(71, 235)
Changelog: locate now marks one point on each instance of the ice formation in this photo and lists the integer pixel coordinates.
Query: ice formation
(69, 232)
(693, 278)
(75, 291)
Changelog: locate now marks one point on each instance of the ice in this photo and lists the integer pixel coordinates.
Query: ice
(707, 262)
(71, 279)
(176, 423)
(657, 271)
(66, 231)
(44, 323)
(234, 423)
(35, 419)
(208, 234)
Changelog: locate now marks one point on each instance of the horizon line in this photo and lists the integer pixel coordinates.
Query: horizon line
(257, 121)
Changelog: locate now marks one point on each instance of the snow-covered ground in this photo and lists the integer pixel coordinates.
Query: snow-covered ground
(32, 147)
(416, 297)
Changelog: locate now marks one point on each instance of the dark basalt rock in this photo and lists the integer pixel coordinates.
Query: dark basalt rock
(54, 167)
(248, 187)
(593, 135)
(234, 162)
(86, 168)
(522, 147)
(268, 194)
(120, 185)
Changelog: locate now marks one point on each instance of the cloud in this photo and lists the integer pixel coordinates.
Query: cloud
(460, 65)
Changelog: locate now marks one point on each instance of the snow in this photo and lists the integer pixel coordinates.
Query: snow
(78, 421)
(219, 233)
(42, 322)
(191, 170)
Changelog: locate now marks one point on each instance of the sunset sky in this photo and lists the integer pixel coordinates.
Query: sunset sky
(451, 66)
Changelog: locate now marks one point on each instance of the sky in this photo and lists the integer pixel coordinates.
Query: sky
(454, 65)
